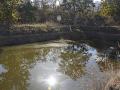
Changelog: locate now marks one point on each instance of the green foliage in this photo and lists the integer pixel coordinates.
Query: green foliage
(27, 12)
(111, 11)
(108, 9)
(117, 14)
(77, 9)
(78, 4)
(8, 13)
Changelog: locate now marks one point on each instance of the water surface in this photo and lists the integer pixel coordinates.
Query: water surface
(75, 66)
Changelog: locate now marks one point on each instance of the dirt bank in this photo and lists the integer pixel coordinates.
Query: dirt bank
(29, 34)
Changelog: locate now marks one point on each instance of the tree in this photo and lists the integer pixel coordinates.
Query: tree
(78, 8)
(8, 12)
(111, 10)
(27, 12)
(117, 13)
(108, 9)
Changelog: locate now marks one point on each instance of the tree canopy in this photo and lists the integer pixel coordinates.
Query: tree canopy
(8, 13)
(79, 12)
(27, 12)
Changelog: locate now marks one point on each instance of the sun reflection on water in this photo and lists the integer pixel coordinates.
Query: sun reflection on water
(51, 81)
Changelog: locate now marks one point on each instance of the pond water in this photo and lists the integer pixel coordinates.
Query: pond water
(57, 66)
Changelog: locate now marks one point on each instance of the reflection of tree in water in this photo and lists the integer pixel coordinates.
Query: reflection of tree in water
(17, 63)
(1, 50)
(73, 62)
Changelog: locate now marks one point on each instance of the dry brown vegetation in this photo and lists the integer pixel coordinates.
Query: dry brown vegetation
(113, 83)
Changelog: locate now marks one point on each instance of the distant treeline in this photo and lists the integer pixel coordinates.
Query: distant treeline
(72, 12)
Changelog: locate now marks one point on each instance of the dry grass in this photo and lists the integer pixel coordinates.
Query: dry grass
(35, 27)
(113, 83)
(38, 25)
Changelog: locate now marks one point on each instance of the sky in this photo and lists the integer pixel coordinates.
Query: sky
(93, 0)
(96, 1)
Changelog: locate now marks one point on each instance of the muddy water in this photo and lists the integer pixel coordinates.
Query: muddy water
(57, 66)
